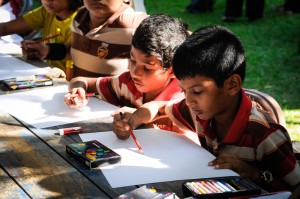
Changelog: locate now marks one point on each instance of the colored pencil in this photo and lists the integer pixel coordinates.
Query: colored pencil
(136, 141)
(134, 138)
(48, 38)
(87, 95)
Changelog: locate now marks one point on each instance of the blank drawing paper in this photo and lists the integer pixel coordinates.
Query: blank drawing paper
(45, 107)
(11, 67)
(168, 156)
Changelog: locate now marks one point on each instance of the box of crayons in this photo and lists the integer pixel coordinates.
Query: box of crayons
(93, 154)
(28, 82)
(221, 187)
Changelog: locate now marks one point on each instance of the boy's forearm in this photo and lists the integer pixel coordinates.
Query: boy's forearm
(1, 29)
(148, 112)
(78, 82)
(87, 83)
(14, 26)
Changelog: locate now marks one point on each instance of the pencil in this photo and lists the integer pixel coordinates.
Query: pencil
(45, 39)
(134, 138)
(48, 38)
(136, 141)
(87, 95)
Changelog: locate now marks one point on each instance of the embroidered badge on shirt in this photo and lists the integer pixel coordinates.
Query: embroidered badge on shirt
(103, 50)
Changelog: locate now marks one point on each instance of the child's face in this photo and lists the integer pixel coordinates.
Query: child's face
(147, 73)
(56, 6)
(103, 8)
(204, 97)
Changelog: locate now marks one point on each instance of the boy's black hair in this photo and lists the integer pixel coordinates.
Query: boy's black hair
(160, 35)
(75, 4)
(211, 51)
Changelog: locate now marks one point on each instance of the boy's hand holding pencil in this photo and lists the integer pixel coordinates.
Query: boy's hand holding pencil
(36, 48)
(122, 128)
(121, 125)
(33, 49)
(77, 98)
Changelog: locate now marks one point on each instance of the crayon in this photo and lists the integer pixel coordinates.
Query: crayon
(228, 185)
(208, 187)
(244, 183)
(217, 190)
(193, 188)
(223, 186)
(237, 185)
(202, 187)
(217, 186)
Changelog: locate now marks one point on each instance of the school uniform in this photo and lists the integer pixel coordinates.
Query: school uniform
(253, 136)
(105, 50)
(41, 19)
(121, 91)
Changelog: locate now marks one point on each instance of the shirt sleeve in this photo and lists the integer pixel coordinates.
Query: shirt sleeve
(36, 18)
(107, 88)
(180, 115)
(276, 147)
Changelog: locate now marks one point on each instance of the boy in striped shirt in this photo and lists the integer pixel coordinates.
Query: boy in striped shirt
(150, 75)
(210, 67)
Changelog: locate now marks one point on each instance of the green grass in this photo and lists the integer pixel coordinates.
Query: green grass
(271, 44)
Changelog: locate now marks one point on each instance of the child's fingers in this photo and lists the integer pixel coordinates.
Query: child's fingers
(75, 100)
(119, 131)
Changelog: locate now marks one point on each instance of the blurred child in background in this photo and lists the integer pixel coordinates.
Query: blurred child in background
(102, 32)
(53, 18)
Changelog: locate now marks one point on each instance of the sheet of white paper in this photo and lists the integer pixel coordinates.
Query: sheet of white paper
(45, 107)
(167, 157)
(11, 67)
(9, 48)
(7, 15)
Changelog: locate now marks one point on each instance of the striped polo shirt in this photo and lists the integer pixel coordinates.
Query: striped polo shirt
(121, 91)
(105, 50)
(253, 136)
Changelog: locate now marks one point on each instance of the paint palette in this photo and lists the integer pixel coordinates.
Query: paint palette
(93, 154)
(222, 187)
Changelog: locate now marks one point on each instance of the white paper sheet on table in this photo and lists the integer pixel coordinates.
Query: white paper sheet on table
(7, 15)
(167, 157)
(10, 48)
(11, 67)
(45, 107)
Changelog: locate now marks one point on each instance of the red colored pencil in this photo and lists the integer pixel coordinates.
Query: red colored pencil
(87, 95)
(136, 141)
(133, 137)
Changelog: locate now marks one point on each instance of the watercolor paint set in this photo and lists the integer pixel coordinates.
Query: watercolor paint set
(93, 154)
(221, 187)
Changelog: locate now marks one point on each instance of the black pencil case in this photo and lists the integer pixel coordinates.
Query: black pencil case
(219, 187)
